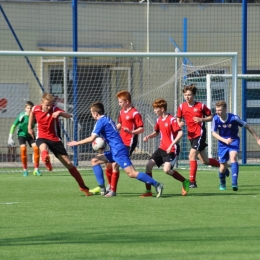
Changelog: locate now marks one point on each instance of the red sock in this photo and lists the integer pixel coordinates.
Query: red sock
(178, 176)
(109, 175)
(75, 173)
(214, 162)
(193, 170)
(148, 186)
(114, 181)
(43, 155)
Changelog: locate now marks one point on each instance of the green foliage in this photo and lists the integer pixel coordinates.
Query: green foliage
(49, 218)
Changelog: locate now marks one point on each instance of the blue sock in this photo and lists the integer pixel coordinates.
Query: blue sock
(222, 177)
(234, 167)
(146, 178)
(99, 174)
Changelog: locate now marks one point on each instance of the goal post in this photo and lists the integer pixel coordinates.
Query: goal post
(98, 76)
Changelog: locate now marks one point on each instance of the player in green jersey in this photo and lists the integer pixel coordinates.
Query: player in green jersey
(23, 137)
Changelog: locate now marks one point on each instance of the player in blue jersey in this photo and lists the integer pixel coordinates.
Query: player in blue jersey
(118, 152)
(225, 130)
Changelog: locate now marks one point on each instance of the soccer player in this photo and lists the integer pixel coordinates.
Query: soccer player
(130, 124)
(118, 152)
(24, 137)
(170, 134)
(46, 115)
(225, 130)
(195, 114)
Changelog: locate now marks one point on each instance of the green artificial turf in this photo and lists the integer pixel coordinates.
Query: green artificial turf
(49, 218)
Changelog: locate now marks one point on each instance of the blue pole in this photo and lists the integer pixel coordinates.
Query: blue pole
(244, 71)
(21, 48)
(184, 145)
(75, 77)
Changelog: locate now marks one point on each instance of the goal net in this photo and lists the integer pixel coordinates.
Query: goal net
(78, 80)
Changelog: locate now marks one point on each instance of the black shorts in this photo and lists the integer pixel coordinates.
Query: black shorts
(160, 157)
(22, 140)
(56, 147)
(199, 143)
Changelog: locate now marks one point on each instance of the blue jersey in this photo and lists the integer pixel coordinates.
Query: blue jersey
(106, 128)
(229, 127)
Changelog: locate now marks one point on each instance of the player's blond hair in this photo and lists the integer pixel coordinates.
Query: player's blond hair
(160, 102)
(125, 95)
(221, 103)
(47, 96)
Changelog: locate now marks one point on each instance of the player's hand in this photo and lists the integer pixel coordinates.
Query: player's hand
(181, 124)
(197, 119)
(229, 141)
(126, 130)
(10, 140)
(31, 133)
(258, 141)
(145, 139)
(169, 149)
(73, 143)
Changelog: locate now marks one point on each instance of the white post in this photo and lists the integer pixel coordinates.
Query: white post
(234, 83)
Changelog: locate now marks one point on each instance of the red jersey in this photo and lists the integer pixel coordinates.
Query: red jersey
(188, 112)
(47, 126)
(132, 120)
(168, 128)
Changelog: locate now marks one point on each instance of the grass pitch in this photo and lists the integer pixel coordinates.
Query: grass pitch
(49, 218)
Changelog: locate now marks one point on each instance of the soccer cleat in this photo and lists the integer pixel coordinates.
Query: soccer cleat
(185, 187)
(110, 194)
(222, 187)
(86, 191)
(193, 185)
(25, 173)
(146, 194)
(95, 190)
(47, 162)
(159, 189)
(227, 172)
(36, 172)
(234, 187)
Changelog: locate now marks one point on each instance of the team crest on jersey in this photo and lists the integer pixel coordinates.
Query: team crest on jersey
(229, 126)
(166, 124)
(225, 126)
(127, 117)
(48, 115)
(196, 109)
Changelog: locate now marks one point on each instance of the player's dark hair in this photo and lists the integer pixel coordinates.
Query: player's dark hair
(160, 102)
(29, 103)
(191, 87)
(221, 103)
(125, 95)
(98, 107)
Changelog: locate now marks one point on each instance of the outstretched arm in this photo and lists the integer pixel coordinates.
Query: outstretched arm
(252, 132)
(87, 140)
(62, 114)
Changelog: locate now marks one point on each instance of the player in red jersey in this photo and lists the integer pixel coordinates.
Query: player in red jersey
(46, 115)
(170, 134)
(130, 124)
(195, 114)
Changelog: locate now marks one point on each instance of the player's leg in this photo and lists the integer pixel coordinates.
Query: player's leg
(203, 157)
(148, 170)
(44, 152)
(234, 169)
(114, 180)
(64, 159)
(223, 154)
(193, 167)
(23, 154)
(36, 157)
(169, 160)
(98, 171)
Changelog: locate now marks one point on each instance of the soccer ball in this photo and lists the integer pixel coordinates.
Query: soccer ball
(98, 144)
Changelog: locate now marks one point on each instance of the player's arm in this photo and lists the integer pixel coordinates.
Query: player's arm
(137, 131)
(87, 140)
(118, 126)
(175, 141)
(180, 122)
(152, 135)
(61, 113)
(10, 138)
(30, 124)
(203, 119)
(222, 139)
(252, 132)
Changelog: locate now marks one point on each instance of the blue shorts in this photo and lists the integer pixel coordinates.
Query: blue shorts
(224, 150)
(122, 158)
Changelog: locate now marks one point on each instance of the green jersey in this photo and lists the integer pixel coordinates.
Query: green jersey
(21, 120)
